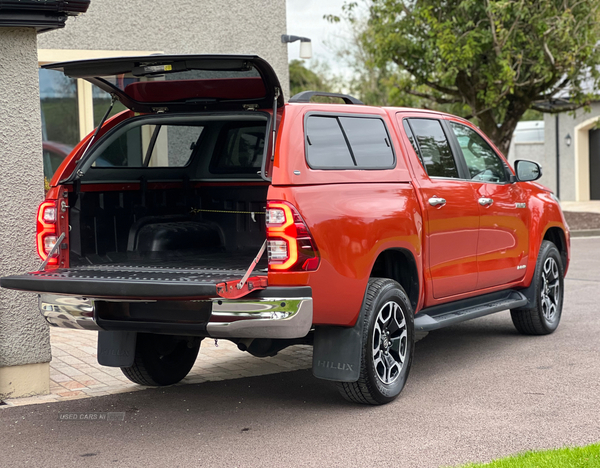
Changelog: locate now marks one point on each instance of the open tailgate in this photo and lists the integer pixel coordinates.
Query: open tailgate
(137, 282)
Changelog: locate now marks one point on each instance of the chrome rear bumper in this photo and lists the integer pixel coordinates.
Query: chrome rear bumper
(259, 317)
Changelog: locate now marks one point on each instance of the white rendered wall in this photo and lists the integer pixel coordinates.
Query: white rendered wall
(24, 337)
(181, 27)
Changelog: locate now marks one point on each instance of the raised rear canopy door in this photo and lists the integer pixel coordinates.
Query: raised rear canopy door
(181, 83)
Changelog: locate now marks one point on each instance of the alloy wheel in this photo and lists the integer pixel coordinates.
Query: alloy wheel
(390, 343)
(550, 294)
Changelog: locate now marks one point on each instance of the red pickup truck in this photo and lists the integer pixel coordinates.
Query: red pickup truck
(376, 222)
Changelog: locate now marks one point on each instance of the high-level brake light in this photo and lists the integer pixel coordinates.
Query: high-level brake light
(290, 245)
(46, 231)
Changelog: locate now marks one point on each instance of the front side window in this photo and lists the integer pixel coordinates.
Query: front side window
(434, 148)
(483, 163)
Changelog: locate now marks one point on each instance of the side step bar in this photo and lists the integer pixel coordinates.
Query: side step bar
(445, 315)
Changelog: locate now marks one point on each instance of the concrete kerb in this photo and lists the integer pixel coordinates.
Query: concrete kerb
(586, 233)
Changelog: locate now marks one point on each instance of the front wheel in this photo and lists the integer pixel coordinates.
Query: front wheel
(162, 359)
(548, 279)
(388, 345)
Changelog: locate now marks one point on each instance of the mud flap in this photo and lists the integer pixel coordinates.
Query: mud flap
(337, 353)
(116, 348)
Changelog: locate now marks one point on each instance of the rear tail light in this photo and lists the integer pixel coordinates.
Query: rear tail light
(290, 245)
(47, 231)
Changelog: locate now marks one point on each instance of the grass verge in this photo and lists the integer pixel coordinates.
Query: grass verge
(575, 457)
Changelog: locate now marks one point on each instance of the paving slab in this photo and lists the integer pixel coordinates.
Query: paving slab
(75, 372)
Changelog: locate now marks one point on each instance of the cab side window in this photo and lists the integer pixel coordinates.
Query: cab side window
(348, 142)
(327, 147)
(433, 148)
(483, 163)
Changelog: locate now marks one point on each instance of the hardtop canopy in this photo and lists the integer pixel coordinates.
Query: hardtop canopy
(180, 83)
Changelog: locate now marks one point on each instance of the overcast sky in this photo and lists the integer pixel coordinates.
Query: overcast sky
(305, 18)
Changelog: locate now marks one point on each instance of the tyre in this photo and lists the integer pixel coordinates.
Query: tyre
(162, 359)
(548, 284)
(388, 345)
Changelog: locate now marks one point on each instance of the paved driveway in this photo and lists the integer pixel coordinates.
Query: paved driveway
(477, 391)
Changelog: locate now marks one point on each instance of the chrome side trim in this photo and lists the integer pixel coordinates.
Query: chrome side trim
(261, 318)
(68, 311)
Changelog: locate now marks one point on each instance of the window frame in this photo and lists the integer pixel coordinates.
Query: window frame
(221, 142)
(196, 169)
(461, 165)
(351, 115)
(125, 126)
(507, 171)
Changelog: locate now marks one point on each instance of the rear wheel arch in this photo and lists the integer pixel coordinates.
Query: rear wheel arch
(399, 265)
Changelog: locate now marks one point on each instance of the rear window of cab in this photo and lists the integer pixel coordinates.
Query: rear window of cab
(347, 141)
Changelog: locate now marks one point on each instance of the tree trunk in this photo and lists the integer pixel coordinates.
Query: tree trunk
(501, 134)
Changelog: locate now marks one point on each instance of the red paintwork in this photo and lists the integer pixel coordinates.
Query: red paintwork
(229, 290)
(356, 223)
(460, 250)
(177, 90)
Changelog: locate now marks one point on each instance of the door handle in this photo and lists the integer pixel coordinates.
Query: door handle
(435, 201)
(485, 201)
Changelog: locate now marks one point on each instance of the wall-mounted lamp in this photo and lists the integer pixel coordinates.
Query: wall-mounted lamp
(305, 44)
(568, 140)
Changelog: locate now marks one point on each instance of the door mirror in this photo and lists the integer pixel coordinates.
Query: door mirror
(527, 171)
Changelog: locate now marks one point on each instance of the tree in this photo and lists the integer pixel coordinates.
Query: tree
(370, 83)
(495, 59)
(374, 84)
(303, 79)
